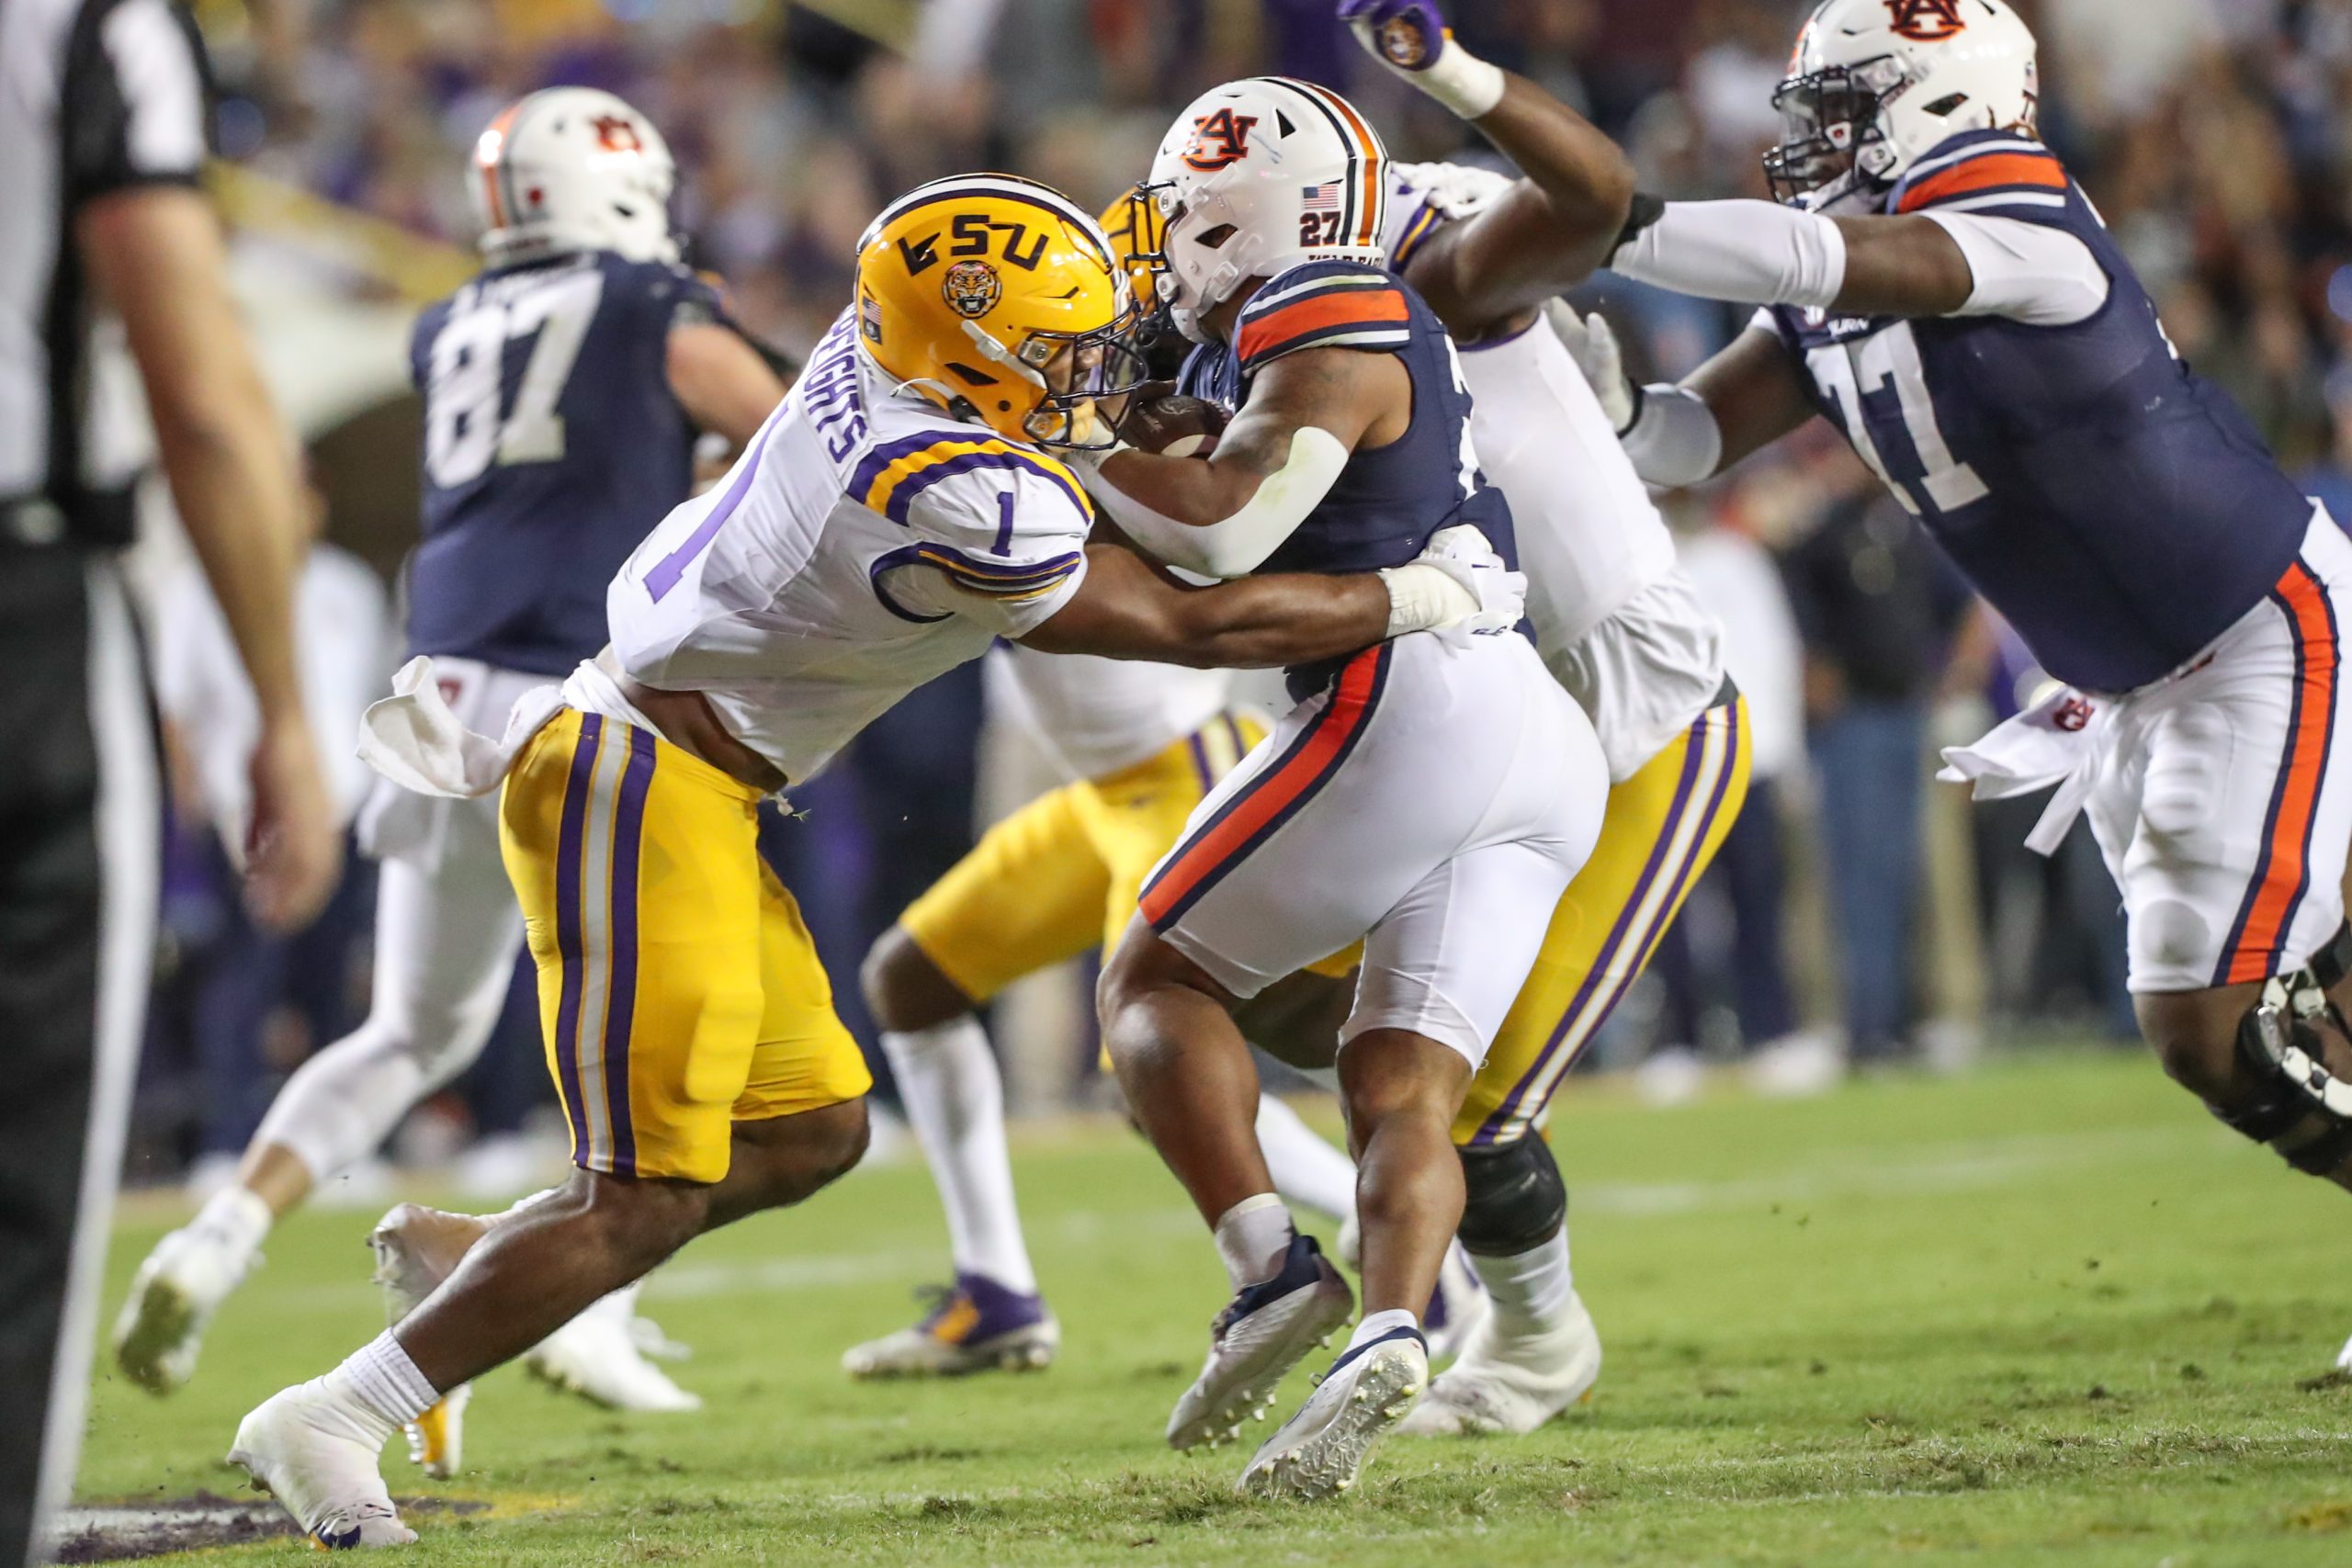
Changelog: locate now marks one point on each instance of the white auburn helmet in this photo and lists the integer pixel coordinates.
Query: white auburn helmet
(1875, 85)
(1256, 177)
(574, 169)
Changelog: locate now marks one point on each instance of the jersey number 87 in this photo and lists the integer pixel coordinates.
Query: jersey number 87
(464, 429)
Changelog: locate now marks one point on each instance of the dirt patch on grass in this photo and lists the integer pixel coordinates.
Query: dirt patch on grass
(124, 1532)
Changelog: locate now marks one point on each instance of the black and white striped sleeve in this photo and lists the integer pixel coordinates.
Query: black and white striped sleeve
(135, 110)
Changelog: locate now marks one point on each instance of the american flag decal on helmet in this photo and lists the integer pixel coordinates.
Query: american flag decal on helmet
(1321, 198)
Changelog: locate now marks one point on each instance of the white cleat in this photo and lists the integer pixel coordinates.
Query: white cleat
(173, 1298)
(1514, 1386)
(2344, 1358)
(1320, 1451)
(1264, 1332)
(436, 1439)
(598, 1356)
(976, 1325)
(315, 1451)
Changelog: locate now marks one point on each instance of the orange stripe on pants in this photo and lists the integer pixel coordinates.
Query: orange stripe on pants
(2285, 869)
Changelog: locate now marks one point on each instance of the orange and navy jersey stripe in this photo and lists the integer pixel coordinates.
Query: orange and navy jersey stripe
(2256, 947)
(1983, 171)
(1323, 304)
(1256, 811)
(891, 476)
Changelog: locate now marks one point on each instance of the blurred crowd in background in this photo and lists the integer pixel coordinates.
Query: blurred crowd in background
(1860, 917)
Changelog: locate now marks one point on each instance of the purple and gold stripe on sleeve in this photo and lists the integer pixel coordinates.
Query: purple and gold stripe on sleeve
(894, 473)
(1015, 581)
(1417, 227)
(598, 847)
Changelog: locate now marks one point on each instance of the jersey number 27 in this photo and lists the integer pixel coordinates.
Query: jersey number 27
(464, 429)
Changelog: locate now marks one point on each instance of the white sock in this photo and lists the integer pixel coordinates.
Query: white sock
(1377, 1324)
(238, 1215)
(955, 1097)
(1531, 1290)
(1308, 1170)
(1251, 1237)
(382, 1377)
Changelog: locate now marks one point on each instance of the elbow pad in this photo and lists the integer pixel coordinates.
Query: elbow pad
(1750, 253)
(1674, 439)
(1238, 545)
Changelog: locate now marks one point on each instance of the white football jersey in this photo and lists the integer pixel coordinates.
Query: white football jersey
(1095, 716)
(864, 543)
(1592, 542)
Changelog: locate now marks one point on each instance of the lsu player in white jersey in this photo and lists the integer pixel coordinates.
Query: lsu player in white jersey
(899, 512)
(563, 390)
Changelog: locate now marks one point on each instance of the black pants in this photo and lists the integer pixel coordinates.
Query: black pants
(78, 845)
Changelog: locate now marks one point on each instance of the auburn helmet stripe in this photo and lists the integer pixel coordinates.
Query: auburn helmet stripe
(1361, 218)
(489, 158)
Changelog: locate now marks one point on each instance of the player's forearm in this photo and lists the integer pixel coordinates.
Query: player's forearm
(1280, 619)
(1758, 252)
(1225, 516)
(1549, 231)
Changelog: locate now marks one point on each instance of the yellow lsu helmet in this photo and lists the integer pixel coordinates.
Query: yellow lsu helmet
(999, 299)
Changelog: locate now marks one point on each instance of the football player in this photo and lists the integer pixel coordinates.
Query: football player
(563, 390)
(900, 510)
(1432, 797)
(1935, 285)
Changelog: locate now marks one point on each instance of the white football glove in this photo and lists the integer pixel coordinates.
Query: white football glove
(1593, 347)
(1458, 580)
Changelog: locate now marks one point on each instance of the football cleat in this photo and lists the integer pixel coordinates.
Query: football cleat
(976, 1325)
(1320, 1451)
(172, 1297)
(1515, 1385)
(598, 1355)
(314, 1449)
(2344, 1358)
(1264, 1332)
(436, 1439)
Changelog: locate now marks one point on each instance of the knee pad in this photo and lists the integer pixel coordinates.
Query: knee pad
(1514, 1198)
(2300, 1109)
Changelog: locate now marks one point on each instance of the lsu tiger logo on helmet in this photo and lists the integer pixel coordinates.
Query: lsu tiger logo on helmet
(971, 289)
(1029, 321)
(1927, 20)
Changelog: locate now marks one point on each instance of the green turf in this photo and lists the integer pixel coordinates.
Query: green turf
(2051, 1314)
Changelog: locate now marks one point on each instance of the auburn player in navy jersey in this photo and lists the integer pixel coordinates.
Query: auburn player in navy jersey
(1432, 796)
(1937, 288)
(564, 389)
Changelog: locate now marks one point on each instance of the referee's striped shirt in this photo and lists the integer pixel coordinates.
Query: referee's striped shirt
(95, 96)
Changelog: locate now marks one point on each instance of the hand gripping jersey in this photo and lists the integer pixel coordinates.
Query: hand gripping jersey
(808, 591)
(1390, 498)
(551, 444)
(1613, 618)
(2115, 507)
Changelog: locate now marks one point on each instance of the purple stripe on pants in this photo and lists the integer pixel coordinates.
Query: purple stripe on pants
(569, 838)
(628, 825)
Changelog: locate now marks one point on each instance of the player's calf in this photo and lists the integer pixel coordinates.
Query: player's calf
(1401, 1091)
(905, 990)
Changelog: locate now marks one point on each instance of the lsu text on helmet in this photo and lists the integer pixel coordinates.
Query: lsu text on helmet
(999, 299)
(1875, 85)
(1256, 177)
(574, 169)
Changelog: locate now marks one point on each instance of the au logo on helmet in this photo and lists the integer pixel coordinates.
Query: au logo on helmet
(1927, 20)
(971, 289)
(1218, 139)
(614, 134)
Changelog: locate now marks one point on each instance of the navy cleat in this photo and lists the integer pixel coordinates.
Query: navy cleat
(1264, 1332)
(1320, 1451)
(977, 1325)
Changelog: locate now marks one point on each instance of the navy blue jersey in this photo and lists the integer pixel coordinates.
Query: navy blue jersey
(2114, 506)
(1388, 500)
(552, 445)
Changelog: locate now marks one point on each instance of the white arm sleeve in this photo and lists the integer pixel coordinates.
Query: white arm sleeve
(1238, 545)
(2028, 272)
(1751, 252)
(1674, 440)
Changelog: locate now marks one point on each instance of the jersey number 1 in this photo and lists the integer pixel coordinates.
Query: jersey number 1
(464, 432)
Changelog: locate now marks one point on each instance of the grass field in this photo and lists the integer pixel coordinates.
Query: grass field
(2048, 1315)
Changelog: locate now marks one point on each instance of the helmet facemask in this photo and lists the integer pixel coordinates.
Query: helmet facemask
(1834, 144)
(1077, 371)
(1202, 257)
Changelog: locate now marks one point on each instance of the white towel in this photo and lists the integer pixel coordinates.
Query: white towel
(2059, 740)
(412, 738)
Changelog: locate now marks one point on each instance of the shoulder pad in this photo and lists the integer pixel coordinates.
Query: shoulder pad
(1982, 169)
(1323, 304)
